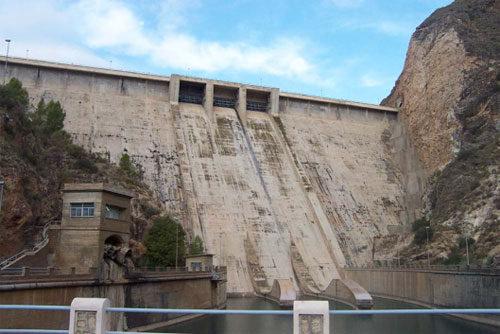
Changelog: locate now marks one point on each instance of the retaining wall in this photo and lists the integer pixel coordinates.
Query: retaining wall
(434, 288)
(196, 291)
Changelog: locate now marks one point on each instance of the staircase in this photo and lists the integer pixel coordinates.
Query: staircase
(28, 251)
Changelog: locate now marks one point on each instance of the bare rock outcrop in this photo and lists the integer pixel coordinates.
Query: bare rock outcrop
(449, 98)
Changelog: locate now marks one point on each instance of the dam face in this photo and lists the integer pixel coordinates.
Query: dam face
(278, 185)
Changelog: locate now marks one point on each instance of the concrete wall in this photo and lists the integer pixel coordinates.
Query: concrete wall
(187, 293)
(338, 290)
(311, 171)
(112, 112)
(341, 152)
(434, 289)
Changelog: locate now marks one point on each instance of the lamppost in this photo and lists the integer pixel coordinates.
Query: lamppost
(427, 234)
(6, 61)
(466, 243)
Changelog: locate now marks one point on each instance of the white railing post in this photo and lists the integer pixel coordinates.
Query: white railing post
(89, 316)
(311, 317)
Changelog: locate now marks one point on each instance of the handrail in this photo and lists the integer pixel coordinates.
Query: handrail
(230, 312)
(421, 267)
(258, 312)
(35, 249)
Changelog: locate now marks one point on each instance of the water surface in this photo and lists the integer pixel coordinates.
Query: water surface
(340, 324)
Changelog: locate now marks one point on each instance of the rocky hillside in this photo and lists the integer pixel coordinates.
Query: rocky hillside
(449, 98)
(37, 158)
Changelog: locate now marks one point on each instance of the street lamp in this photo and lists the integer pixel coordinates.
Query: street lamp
(427, 234)
(6, 61)
(466, 243)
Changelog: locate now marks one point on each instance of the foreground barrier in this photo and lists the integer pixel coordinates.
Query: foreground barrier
(92, 315)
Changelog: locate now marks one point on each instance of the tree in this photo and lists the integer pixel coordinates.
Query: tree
(14, 93)
(162, 241)
(49, 117)
(196, 247)
(54, 117)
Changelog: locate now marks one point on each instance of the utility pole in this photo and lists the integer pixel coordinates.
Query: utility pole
(6, 61)
(427, 234)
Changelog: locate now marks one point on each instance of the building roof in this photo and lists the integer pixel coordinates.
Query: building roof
(92, 187)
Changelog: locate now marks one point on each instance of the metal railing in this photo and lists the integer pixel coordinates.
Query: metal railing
(34, 273)
(224, 102)
(229, 312)
(474, 268)
(257, 106)
(28, 251)
(12, 275)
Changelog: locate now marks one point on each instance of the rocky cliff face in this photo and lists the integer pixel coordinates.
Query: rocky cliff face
(449, 97)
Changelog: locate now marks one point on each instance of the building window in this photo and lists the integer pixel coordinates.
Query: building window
(113, 212)
(196, 266)
(82, 210)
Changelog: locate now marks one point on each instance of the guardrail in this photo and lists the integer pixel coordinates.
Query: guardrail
(28, 251)
(54, 273)
(34, 273)
(84, 311)
(474, 268)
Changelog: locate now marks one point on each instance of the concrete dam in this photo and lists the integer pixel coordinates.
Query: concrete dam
(278, 185)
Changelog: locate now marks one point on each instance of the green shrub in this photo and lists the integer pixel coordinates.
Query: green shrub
(419, 227)
(129, 167)
(465, 154)
(162, 241)
(462, 243)
(454, 257)
(196, 247)
(75, 151)
(149, 211)
(86, 164)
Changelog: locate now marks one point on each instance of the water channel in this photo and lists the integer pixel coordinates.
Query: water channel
(343, 324)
